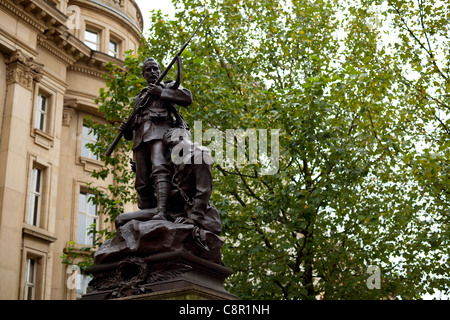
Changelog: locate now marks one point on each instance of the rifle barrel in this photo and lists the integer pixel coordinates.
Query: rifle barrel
(161, 77)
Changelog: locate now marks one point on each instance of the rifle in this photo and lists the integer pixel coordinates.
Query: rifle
(137, 110)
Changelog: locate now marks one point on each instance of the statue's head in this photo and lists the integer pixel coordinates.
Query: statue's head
(151, 70)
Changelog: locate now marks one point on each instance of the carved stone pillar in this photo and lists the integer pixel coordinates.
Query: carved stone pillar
(21, 73)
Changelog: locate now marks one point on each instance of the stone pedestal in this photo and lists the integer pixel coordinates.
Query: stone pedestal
(175, 275)
(187, 293)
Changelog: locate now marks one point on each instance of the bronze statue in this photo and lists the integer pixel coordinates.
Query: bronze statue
(192, 181)
(173, 180)
(173, 241)
(153, 172)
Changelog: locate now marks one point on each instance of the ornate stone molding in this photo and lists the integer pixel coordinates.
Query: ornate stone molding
(43, 139)
(119, 3)
(70, 105)
(22, 14)
(39, 233)
(90, 165)
(118, 7)
(84, 70)
(134, 274)
(42, 42)
(23, 70)
(17, 73)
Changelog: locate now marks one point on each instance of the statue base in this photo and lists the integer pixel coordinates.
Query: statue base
(187, 293)
(175, 275)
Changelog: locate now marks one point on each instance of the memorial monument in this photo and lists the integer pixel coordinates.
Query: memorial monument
(171, 247)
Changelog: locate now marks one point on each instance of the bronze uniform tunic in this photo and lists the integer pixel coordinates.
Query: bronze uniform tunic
(155, 120)
(149, 127)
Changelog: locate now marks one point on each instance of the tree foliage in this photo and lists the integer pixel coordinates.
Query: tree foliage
(363, 173)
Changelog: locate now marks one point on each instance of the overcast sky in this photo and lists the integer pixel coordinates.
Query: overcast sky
(146, 5)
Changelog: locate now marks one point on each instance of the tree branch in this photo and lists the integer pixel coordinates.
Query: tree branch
(283, 289)
(423, 25)
(428, 51)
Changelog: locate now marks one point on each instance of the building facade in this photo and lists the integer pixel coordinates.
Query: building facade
(52, 57)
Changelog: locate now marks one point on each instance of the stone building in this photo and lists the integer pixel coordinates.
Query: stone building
(52, 57)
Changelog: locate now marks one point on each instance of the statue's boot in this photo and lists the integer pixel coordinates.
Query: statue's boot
(162, 195)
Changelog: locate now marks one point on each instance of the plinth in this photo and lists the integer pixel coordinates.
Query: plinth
(175, 275)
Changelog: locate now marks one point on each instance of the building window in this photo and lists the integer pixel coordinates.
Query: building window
(30, 280)
(113, 49)
(34, 210)
(91, 39)
(41, 113)
(82, 284)
(87, 217)
(88, 137)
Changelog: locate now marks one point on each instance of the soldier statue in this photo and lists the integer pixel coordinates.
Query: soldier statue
(156, 116)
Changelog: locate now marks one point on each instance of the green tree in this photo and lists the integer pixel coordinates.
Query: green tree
(354, 187)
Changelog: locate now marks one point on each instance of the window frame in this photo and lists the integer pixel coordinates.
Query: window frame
(41, 116)
(35, 196)
(42, 221)
(89, 164)
(114, 54)
(90, 43)
(85, 152)
(27, 284)
(88, 239)
(119, 41)
(43, 135)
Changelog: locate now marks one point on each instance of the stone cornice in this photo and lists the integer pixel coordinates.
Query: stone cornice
(22, 14)
(54, 35)
(117, 14)
(85, 70)
(116, 7)
(54, 50)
